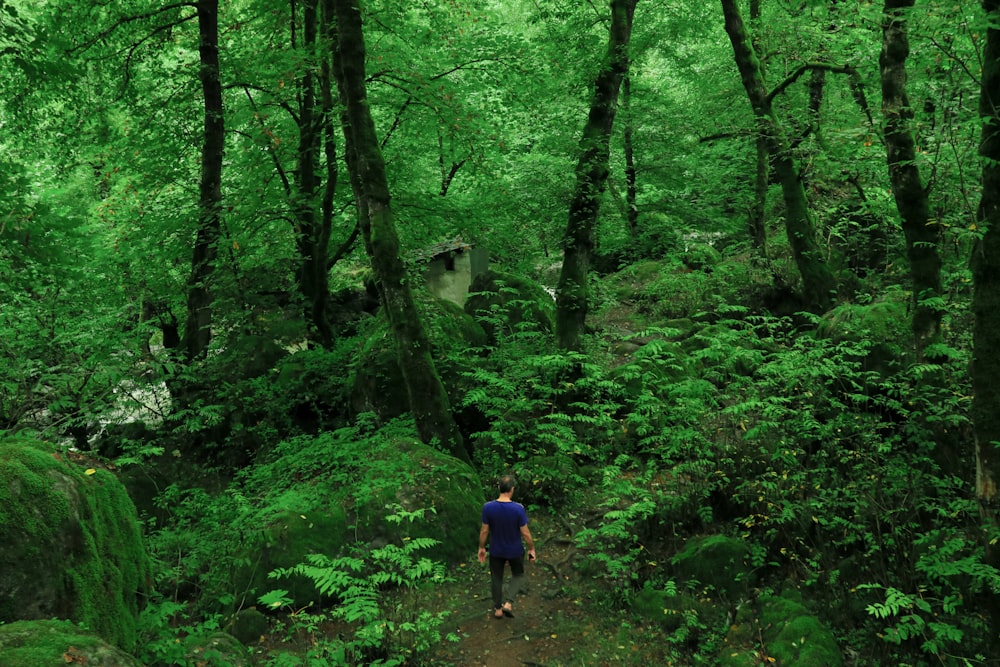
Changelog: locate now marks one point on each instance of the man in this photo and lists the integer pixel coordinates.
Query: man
(506, 523)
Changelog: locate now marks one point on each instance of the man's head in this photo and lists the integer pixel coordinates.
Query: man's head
(506, 484)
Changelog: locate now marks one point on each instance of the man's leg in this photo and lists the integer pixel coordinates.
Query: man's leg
(496, 579)
(517, 577)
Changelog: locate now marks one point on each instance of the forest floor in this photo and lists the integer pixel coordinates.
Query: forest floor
(560, 618)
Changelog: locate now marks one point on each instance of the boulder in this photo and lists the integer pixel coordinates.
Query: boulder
(506, 304)
(339, 491)
(70, 543)
(377, 383)
(217, 650)
(718, 562)
(782, 631)
(56, 643)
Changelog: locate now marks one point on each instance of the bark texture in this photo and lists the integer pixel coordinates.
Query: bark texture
(428, 400)
(818, 281)
(312, 214)
(198, 331)
(572, 297)
(922, 237)
(986, 298)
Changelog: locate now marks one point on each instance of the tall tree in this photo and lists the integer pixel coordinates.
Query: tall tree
(922, 236)
(313, 211)
(818, 281)
(197, 333)
(986, 298)
(572, 297)
(428, 400)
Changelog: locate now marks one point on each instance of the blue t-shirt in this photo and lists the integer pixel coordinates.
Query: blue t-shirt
(505, 521)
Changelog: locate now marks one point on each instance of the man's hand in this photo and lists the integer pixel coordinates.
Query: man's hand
(482, 554)
(531, 554)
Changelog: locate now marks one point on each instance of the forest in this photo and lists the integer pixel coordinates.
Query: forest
(286, 287)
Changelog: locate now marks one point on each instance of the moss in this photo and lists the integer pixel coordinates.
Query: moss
(716, 561)
(55, 644)
(783, 632)
(796, 637)
(70, 543)
(505, 304)
(334, 491)
(673, 611)
(377, 383)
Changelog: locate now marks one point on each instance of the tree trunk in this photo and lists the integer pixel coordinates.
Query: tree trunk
(922, 238)
(591, 179)
(818, 281)
(762, 174)
(313, 227)
(631, 191)
(198, 332)
(986, 301)
(428, 400)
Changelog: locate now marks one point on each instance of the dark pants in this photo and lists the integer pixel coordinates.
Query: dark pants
(497, 564)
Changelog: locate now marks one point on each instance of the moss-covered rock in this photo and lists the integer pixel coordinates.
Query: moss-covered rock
(674, 610)
(717, 561)
(505, 304)
(783, 631)
(884, 324)
(377, 384)
(249, 626)
(217, 650)
(328, 494)
(57, 644)
(70, 543)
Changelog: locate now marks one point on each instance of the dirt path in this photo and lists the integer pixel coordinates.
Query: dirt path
(556, 622)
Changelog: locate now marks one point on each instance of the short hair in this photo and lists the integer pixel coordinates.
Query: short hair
(506, 483)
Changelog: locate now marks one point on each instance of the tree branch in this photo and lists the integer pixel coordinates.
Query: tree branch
(802, 69)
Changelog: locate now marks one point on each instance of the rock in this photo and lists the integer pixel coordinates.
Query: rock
(506, 304)
(217, 650)
(674, 610)
(715, 561)
(57, 644)
(329, 494)
(70, 543)
(785, 631)
(377, 382)
(248, 626)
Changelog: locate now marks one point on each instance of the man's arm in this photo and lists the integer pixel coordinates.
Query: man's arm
(483, 533)
(526, 536)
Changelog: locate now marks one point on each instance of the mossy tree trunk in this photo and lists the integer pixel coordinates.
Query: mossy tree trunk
(631, 188)
(986, 303)
(818, 281)
(198, 333)
(572, 298)
(922, 237)
(428, 400)
(756, 226)
(313, 215)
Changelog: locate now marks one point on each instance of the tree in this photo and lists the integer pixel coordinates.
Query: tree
(428, 400)
(198, 333)
(572, 298)
(921, 233)
(986, 298)
(818, 280)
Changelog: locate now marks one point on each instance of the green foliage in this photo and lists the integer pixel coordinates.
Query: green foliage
(614, 549)
(382, 634)
(935, 616)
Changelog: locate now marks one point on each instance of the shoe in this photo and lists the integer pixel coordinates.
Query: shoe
(499, 613)
(507, 611)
